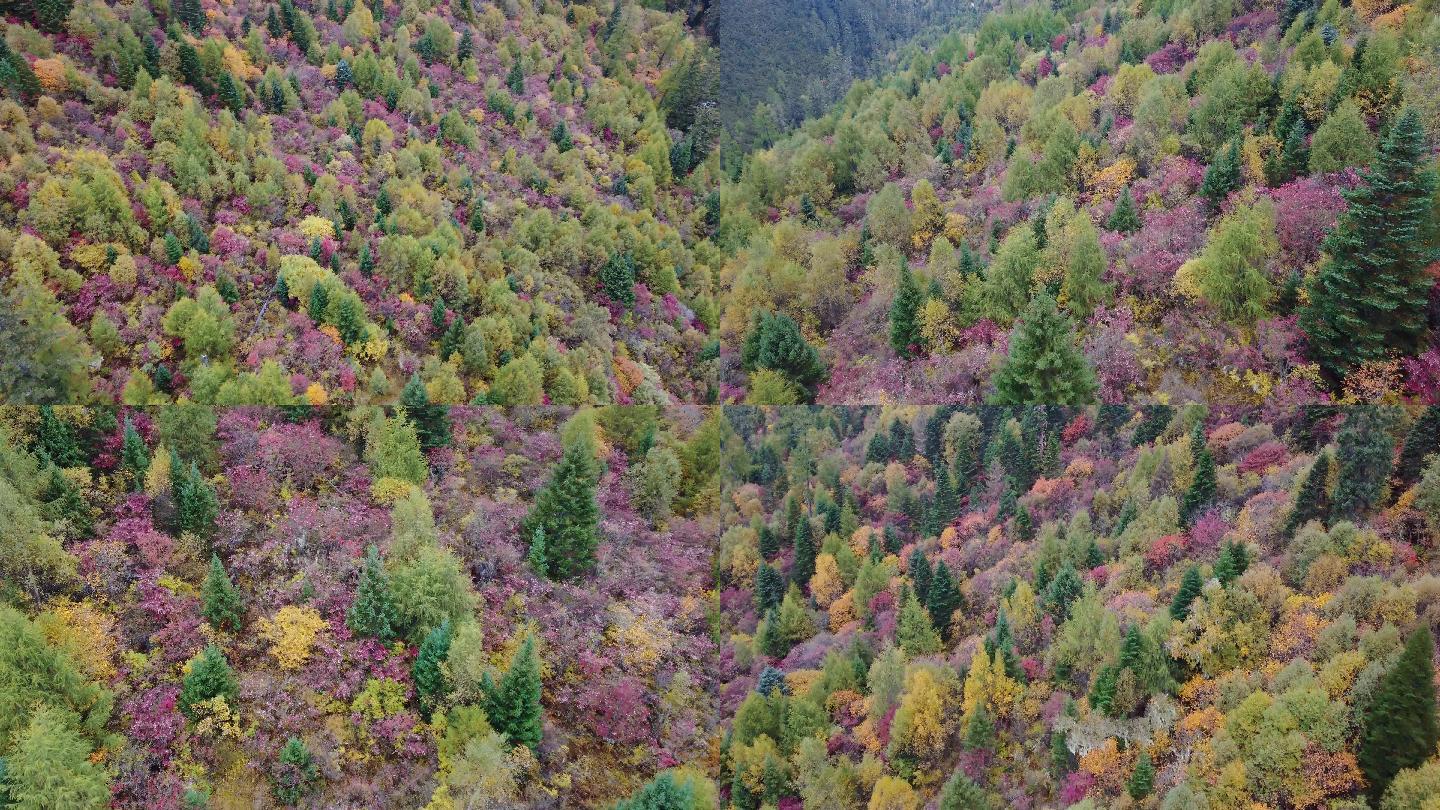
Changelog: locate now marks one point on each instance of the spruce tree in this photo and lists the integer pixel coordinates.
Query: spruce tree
(943, 599)
(1312, 502)
(515, 80)
(296, 776)
(1124, 218)
(567, 511)
(513, 705)
(1370, 297)
(1222, 177)
(210, 677)
(905, 336)
(55, 440)
(914, 631)
(230, 94)
(1232, 562)
(769, 543)
(430, 681)
(1422, 440)
(617, 279)
(16, 75)
(1365, 454)
(432, 422)
(1400, 726)
(1190, 586)
(1142, 779)
(134, 456)
(51, 14)
(1202, 486)
(775, 342)
(535, 555)
(196, 504)
(1059, 754)
(373, 613)
(803, 568)
(769, 587)
(920, 574)
(220, 601)
(1043, 364)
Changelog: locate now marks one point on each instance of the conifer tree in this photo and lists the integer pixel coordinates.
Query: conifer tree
(51, 14)
(1190, 586)
(803, 568)
(1422, 440)
(914, 631)
(373, 613)
(1043, 364)
(1365, 455)
(617, 279)
(220, 601)
(1400, 726)
(1312, 502)
(513, 705)
(1202, 486)
(1222, 177)
(568, 513)
(980, 730)
(905, 336)
(55, 440)
(432, 422)
(210, 676)
(769, 543)
(296, 776)
(1059, 754)
(769, 587)
(49, 765)
(1124, 218)
(1062, 591)
(535, 555)
(1370, 297)
(16, 75)
(1232, 562)
(196, 504)
(515, 80)
(1142, 779)
(430, 681)
(134, 456)
(920, 574)
(775, 342)
(943, 599)
(230, 94)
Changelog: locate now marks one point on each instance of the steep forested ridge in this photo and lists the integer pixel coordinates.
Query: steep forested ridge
(1231, 203)
(272, 608)
(264, 203)
(1084, 608)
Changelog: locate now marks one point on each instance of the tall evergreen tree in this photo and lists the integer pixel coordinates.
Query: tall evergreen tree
(905, 336)
(1190, 585)
(803, 568)
(220, 601)
(920, 573)
(296, 776)
(1222, 177)
(196, 504)
(1370, 297)
(134, 456)
(769, 587)
(1142, 779)
(567, 511)
(432, 422)
(1124, 218)
(1400, 726)
(775, 342)
(209, 677)
(1232, 562)
(1044, 365)
(373, 613)
(18, 78)
(943, 599)
(1365, 455)
(55, 440)
(617, 279)
(1202, 486)
(430, 681)
(1422, 440)
(1312, 502)
(513, 705)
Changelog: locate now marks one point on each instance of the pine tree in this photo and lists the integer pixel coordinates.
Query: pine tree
(905, 336)
(196, 504)
(980, 730)
(1043, 364)
(1190, 585)
(1312, 502)
(920, 573)
(430, 681)
(1370, 298)
(230, 94)
(220, 601)
(296, 775)
(1142, 779)
(432, 422)
(56, 442)
(1222, 177)
(1124, 219)
(210, 677)
(319, 300)
(567, 511)
(51, 14)
(1232, 562)
(914, 631)
(373, 613)
(515, 80)
(535, 555)
(344, 76)
(775, 342)
(1422, 440)
(617, 279)
(943, 599)
(1202, 486)
(18, 78)
(1400, 725)
(513, 705)
(803, 568)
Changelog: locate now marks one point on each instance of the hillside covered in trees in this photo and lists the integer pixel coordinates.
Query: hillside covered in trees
(1105, 607)
(306, 202)
(245, 607)
(1165, 201)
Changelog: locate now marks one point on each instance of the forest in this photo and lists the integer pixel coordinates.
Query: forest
(1164, 202)
(252, 203)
